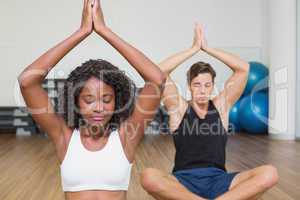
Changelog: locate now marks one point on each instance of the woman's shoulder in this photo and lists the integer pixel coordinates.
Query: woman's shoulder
(67, 133)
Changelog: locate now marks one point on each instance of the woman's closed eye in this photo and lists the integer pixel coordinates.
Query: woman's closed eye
(89, 99)
(107, 98)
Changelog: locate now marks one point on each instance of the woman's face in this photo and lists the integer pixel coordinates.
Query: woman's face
(201, 88)
(97, 102)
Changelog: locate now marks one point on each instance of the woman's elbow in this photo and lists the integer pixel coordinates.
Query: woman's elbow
(28, 78)
(24, 80)
(161, 79)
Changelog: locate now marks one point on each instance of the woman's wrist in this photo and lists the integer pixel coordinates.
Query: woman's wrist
(83, 32)
(102, 30)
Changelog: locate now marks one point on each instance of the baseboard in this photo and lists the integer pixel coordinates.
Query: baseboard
(282, 136)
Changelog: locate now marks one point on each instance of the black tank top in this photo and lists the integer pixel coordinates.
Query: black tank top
(200, 143)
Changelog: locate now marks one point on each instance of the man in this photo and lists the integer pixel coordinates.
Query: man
(200, 128)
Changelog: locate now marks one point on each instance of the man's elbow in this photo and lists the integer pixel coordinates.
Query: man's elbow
(246, 67)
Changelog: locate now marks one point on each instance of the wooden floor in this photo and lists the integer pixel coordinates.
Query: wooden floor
(30, 170)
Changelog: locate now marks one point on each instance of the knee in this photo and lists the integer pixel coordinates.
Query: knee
(268, 176)
(150, 180)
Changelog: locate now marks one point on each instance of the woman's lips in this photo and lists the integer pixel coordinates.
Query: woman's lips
(97, 119)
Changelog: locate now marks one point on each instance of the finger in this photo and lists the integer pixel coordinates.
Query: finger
(89, 11)
(100, 8)
(84, 8)
(96, 3)
(197, 29)
(85, 4)
(200, 29)
(92, 3)
(99, 4)
(195, 26)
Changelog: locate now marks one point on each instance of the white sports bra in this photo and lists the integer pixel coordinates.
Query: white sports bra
(107, 169)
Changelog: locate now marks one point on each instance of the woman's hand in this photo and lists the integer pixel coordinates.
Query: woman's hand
(87, 17)
(32, 78)
(98, 18)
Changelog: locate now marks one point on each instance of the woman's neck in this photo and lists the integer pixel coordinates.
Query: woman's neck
(94, 131)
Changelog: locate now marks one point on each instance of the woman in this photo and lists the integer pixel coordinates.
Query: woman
(96, 141)
(200, 128)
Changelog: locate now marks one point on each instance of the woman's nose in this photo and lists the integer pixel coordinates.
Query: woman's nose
(99, 107)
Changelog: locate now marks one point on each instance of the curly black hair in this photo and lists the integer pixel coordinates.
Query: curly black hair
(123, 86)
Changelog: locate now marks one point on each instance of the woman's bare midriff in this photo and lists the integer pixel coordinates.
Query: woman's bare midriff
(96, 195)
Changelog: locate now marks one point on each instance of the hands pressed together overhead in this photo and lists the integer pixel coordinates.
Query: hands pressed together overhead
(200, 42)
(92, 17)
(93, 20)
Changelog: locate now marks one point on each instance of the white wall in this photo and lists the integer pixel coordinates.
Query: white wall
(282, 55)
(158, 28)
(298, 72)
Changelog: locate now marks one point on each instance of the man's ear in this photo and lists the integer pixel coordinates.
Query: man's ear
(189, 86)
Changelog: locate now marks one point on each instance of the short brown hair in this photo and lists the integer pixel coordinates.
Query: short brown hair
(200, 68)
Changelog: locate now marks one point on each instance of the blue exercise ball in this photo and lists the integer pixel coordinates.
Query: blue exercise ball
(254, 113)
(257, 78)
(234, 123)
